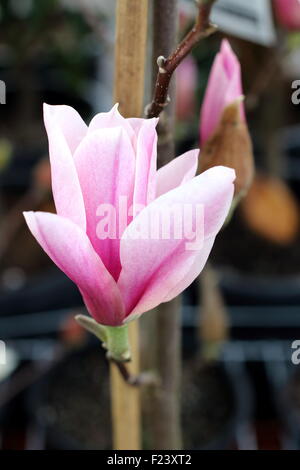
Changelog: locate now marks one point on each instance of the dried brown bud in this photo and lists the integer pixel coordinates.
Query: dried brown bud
(271, 210)
(231, 146)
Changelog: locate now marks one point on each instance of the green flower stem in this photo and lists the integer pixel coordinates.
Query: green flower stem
(118, 343)
(114, 338)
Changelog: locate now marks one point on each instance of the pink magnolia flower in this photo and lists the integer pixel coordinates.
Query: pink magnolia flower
(224, 87)
(113, 157)
(288, 13)
(186, 82)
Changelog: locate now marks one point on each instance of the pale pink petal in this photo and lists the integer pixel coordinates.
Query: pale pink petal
(136, 124)
(192, 270)
(153, 269)
(105, 164)
(146, 156)
(186, 269)
(65, 184)
(111, 119)
(70, 249)
(70, 123)
(177, 172)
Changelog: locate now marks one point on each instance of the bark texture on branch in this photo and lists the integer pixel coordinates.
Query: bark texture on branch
(163, 402)
(167, 62)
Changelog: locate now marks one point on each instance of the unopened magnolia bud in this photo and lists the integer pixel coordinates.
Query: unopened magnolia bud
(231, 146)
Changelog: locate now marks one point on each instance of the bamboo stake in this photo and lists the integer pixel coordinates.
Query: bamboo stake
(125, 400)
(130, 53)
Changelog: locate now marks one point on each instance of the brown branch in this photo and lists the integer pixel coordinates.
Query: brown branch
(145, 378)
(166, 67)
(163, 351)
(162, 329)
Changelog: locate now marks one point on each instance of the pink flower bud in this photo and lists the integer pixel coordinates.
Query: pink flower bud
(288, 13)
(224, 87)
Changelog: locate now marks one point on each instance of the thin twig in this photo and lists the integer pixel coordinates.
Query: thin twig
(145, 378)
(166, 66)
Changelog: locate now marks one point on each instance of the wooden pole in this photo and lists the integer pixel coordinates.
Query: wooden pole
(125, 401)
(130, 54)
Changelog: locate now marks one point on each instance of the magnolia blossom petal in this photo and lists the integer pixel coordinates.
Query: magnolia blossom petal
(65, 184)
(192, 269)
(111, 119)
(136, 124)
(70, 249)
(224, 86)
(146, 155)
(154, 269)
(70, 123)
(186, 270)
(105, 163)
(177, 172)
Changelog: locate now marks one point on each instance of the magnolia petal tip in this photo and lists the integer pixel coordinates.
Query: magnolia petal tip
(28, 215)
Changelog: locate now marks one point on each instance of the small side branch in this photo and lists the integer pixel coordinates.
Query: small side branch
(167, 66)
(145, 378)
